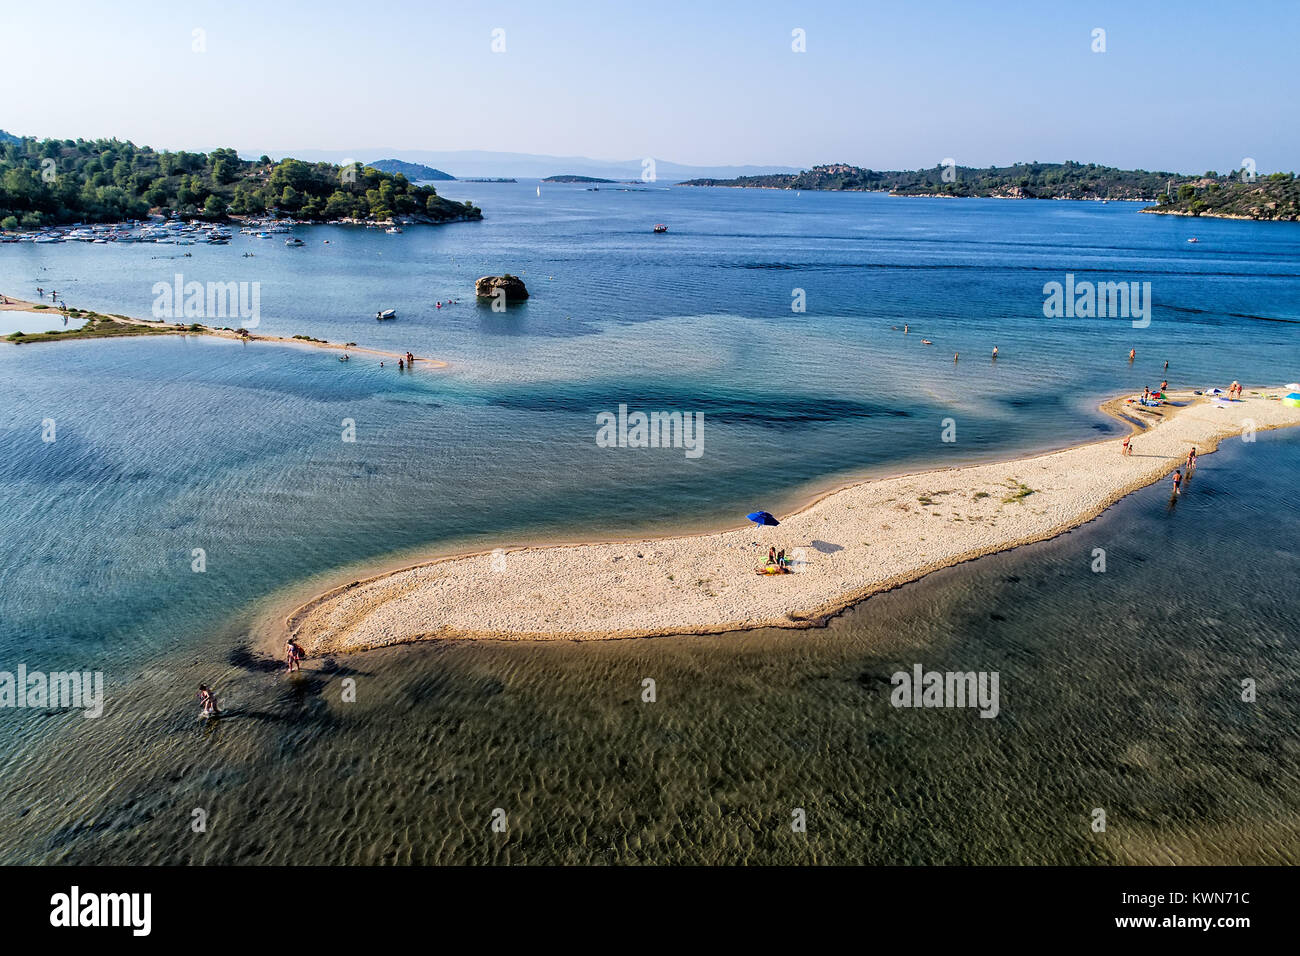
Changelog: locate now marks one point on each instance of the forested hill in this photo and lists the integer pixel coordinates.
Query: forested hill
(412, 171)
(54, 181)
(1276, 196)
(1021, 181)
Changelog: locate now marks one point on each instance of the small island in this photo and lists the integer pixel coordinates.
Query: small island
(570, 178)
(415, 172)
(512, 287)
(1020, 181)
(1235, 195)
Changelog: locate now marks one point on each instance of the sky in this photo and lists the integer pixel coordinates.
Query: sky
(1182, 86)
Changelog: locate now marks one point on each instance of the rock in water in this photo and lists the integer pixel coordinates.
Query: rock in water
(513, 286)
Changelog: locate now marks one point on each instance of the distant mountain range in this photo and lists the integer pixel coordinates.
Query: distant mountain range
(415, 172)
(8, 137)
(463, 164)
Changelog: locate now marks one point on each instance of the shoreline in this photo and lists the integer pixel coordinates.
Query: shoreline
(160, 327)
(620, 589)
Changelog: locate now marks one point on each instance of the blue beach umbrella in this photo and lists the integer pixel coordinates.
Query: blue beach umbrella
(761, 518)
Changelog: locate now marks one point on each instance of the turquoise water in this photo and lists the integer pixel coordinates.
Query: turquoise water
(1119, 691)
(165, 445)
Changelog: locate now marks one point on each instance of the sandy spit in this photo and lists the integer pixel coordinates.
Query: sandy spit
(19, 305)
(849, 544)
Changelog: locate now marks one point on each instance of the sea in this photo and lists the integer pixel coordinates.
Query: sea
(163, 498)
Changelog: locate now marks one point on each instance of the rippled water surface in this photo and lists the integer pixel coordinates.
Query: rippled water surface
(1120, 690)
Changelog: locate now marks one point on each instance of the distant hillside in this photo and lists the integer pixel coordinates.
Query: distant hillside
(482, 164)
(1226, 197)
(54, 181)
(8, 137)
(415, 172)
(570, 178)
(1021, 181)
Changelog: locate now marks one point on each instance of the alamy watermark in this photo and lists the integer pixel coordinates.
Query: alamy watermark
(214, 300)
(57, 690)
(125, 910)
(1102, 300)
(683, 430)
(922, 688)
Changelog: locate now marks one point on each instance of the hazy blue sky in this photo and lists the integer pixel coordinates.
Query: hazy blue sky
(1182, 85)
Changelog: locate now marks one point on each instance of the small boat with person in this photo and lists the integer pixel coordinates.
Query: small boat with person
(660, 227)
(386, 314)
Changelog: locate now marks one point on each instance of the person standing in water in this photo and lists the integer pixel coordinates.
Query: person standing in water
(1191, 460)
(1178, 481)
(293, 655)
(209, 701)
(1132, 354)
(995, 351)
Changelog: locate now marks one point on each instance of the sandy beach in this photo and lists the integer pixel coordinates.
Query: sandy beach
(165, 328)
(847, 545)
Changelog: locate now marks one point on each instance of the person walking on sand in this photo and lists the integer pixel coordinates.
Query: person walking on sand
(293, 655)
(1127, 449)
(1178, 481)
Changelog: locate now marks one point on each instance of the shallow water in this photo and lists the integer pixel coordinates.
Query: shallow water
(165, 445)
(1118, 690)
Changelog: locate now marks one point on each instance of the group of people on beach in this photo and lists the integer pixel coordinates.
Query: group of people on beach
(777, 563)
